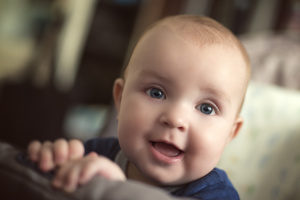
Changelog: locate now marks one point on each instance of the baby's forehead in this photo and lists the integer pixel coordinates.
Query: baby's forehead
(202, 31)
(199, 32)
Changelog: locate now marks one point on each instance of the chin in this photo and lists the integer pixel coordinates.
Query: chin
(172, 182)
(165, 181)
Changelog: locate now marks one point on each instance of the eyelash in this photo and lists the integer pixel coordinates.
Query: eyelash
(214, 109)
(148, 92)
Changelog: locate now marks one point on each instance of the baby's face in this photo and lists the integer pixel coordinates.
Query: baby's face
(177, 107)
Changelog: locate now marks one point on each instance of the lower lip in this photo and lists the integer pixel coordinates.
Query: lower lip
(163, 158)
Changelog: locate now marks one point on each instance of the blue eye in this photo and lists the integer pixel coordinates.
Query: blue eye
(156, 93)
(206, 108)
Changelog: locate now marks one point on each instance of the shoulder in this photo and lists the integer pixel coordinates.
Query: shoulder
(213, 186)
(108, 147)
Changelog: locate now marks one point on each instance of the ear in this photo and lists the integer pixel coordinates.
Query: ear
(236, 128)
(117, 92)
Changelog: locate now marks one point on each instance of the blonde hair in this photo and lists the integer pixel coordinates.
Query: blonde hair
(201, 31)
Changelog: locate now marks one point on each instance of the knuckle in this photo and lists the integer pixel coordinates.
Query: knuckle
(92, 156)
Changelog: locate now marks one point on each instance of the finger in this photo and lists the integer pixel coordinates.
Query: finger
(70, 181)
(59, 178)
(115, 172)
(110, 169)
(76, 149)
(89, 169)
(60, 148)
(67, 177)
(100, 166)
(92, 155)
(46, 157)
(33, 150)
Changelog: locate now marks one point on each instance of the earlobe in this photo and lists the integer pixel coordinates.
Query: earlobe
(236, 128)
(117, 92)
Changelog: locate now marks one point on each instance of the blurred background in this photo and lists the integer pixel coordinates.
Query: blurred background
(59, 58)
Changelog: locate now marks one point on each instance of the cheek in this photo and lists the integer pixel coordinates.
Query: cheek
(206, 145)
(134, 125)
(133, 118)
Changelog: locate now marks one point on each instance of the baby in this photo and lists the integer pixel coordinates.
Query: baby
(178, 106)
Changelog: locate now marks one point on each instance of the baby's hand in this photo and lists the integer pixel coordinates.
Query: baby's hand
(80, 171)
(48, 155)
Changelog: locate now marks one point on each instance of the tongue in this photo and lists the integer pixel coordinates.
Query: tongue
(166, 149)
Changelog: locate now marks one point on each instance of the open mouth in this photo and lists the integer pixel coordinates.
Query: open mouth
(166, 149)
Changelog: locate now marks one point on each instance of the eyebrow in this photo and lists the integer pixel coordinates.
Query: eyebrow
(155, 74)
(220, 96)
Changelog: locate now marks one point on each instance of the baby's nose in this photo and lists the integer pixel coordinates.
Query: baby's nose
(176, 117)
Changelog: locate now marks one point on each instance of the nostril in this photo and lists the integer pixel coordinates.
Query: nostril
(173, 121)
(181, 128)
(173, 124)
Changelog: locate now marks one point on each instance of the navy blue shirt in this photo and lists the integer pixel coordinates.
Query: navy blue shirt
(214, 186)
